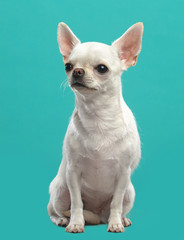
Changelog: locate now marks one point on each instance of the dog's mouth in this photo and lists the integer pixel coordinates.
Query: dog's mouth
(79, 85)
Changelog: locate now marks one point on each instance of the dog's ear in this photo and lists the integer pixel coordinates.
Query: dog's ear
(66, 40)
(129, 45)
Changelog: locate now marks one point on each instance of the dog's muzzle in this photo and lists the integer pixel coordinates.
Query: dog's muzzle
(77, 78)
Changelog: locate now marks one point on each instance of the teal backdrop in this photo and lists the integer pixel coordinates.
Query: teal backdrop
(35, 111)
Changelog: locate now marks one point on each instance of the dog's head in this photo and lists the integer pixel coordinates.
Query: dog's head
(93, 67)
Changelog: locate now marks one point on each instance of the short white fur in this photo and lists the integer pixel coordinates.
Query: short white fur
(102, 145)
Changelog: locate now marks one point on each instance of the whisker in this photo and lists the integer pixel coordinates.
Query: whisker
(64, 84)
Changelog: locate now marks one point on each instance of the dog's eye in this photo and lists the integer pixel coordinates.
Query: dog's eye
(68, 67)
(101, 68)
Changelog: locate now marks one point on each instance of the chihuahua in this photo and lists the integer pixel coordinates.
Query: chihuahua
(101, 148)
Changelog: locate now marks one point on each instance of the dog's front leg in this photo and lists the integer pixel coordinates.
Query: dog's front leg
(74, 185)
(115, 218)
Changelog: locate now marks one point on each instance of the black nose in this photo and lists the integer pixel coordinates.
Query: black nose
(78, 73)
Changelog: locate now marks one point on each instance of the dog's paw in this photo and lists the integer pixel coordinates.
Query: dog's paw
(115, 227)
(75, 228)
(59, 221)
(126, 222)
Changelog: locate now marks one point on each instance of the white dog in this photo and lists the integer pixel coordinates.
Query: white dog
(102, 146)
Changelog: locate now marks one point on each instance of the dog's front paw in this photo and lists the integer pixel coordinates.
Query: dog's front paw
(75, 228)
(115, 227)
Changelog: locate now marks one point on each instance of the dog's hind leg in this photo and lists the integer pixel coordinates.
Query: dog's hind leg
(59, 220)
(59, 202)
(128, 202)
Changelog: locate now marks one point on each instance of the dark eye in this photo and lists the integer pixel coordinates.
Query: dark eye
(68, 67)
(101, 68)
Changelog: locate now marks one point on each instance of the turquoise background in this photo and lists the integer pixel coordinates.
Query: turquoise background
(35, 111)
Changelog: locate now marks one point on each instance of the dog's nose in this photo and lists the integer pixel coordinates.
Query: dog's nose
(78, 73)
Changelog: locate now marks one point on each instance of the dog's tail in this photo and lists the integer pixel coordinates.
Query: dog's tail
(89, 217)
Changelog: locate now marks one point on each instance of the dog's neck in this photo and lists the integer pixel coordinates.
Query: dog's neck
(102, 107)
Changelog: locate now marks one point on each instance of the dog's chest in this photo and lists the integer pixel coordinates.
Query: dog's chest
(99, 174)
(96, 147)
